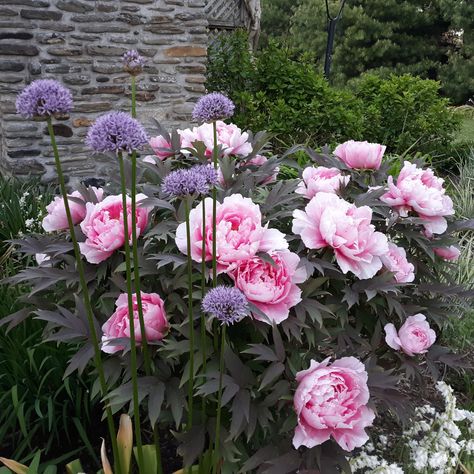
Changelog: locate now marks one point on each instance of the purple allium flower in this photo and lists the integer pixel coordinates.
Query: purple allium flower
(42, 98)
(212, 107)
(185, 182)
(209, 172)
(133, 62)
(226, 303)
(117, 132)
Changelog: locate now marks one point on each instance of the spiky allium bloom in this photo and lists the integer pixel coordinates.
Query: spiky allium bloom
(185, 182)
(209, 172)
(225, 303)
(212, 107)
(117, 132)
(43, 98)
(133, 62)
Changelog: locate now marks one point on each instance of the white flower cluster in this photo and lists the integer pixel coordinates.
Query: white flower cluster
(370, 463)
(32, 224)
(436, 441)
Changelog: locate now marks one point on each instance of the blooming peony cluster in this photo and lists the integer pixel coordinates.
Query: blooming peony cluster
(329, 221)
(230, 137)
(395, 260)
(103, 227)
(56, 218)
(414, 337)
(118, 325)
(420, 191)
(271, 287)
(331, 401)
(240, 236)
(361, 155)
(321, 180)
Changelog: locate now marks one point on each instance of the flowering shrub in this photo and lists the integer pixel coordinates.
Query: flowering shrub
(249, 312)
(436, 443)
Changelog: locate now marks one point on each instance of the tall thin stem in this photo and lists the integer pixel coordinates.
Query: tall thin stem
(86, 296)
(134, 96)
(215, 158)
(203, 293)
(203, 319)
(136, 279)
(190, 316)
(219, 399)
(133, 346)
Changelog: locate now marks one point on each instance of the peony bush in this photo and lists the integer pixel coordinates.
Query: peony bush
(254, 318)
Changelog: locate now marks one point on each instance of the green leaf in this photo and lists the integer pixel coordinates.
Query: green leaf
(155, 401)
(74, 467)
(271, 373)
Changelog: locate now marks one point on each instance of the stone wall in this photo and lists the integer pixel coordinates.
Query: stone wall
(80, 43)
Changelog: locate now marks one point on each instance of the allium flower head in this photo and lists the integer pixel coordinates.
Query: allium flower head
(133, 62)
(42, 98)
(117, 132)
(212, 107)
(226, 303)
(210, 174)
(185, 182)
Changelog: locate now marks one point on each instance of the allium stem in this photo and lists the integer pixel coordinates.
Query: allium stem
(203, 293)
(136, 279)
(134, 96)
(215, 158)
(219, 399)
(214, 209)
(133, 346)
(86, 297)
(190, 316)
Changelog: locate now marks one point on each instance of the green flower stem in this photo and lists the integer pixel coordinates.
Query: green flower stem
(219, 399)
(87, 301)
(133, 347)
(203, 319)
(134, 96)
(215, 158)
(203, 293)
(136, 267)
(136, 279)
(190, 316)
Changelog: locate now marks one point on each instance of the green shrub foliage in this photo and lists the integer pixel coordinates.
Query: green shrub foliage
(286, 96)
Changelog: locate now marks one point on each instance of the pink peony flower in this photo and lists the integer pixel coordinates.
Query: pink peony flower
(118, 325)
(57, 219)
(360, 155)
(103, 227)
(331, 400)
(396, 262)
(240, 234)
(414, 337)
(161, 147)
(448, 253)
(329, 221)
(272, 289)
(321, 179)
(229, 136)
(420, 191)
